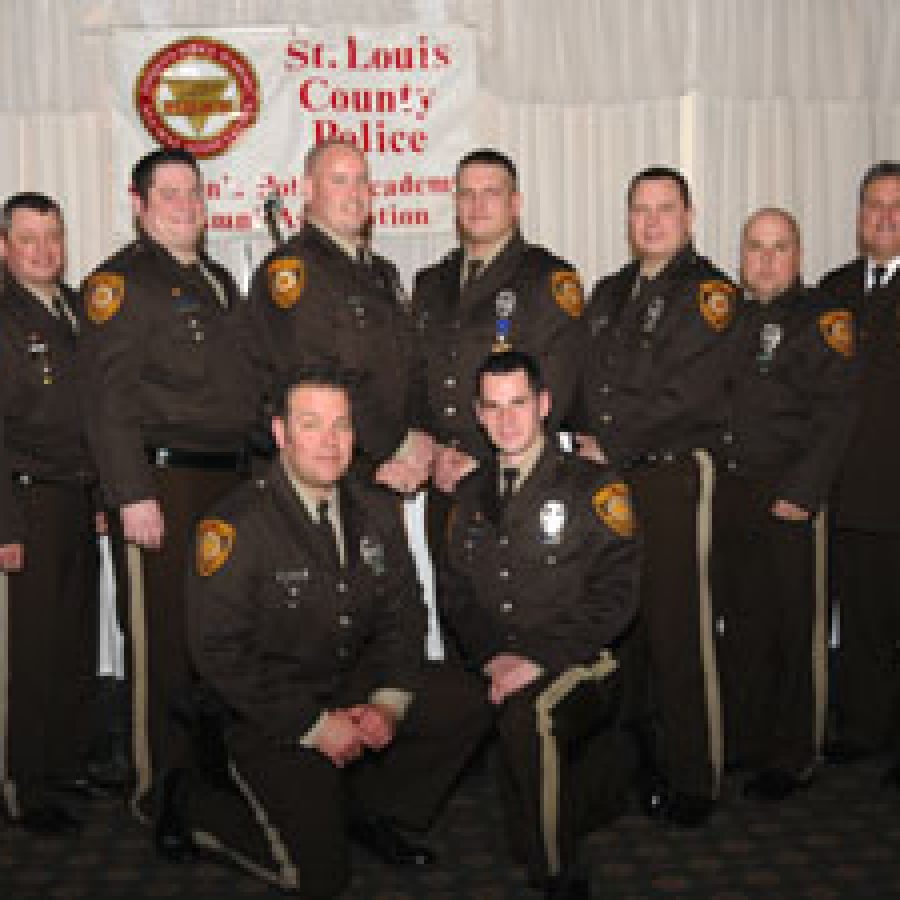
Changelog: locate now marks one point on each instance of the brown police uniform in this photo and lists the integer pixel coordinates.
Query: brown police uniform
(789, 419)
(865, 522)
(281, 631)
(549, 573)
(48, 610)
(653, 394)
(170, 397)
(312, 303)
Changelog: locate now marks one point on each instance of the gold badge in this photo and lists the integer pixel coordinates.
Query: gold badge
(837, 329)
(613, 505)
(215, 541)
(715, 299)
(567, 292)
(287, 278)
(105, 293)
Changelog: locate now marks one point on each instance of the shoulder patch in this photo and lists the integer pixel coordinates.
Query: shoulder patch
(612, 504)
(567, 292)
(215, 541)
(287, 279)
(105, 292)
(716, 302)
(837, 329)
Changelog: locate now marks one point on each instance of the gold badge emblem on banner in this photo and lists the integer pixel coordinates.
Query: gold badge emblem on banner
(613, 506)
(287, 278)
(105, 293)
(716, 301)
(567, 292)
(215, 541)
(837, 329)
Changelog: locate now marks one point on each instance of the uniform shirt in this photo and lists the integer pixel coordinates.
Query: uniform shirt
(655, 359)
(866, 494)
(43, 434)
(279, 631)
(164, 361)
(525, 298)
(313, 303)
(550, 574)
(792, 398)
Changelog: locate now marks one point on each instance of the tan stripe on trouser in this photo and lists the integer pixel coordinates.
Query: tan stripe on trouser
(707, 641)
(287, 876)
(819, 631)
(140, 737)
(545, 703)
(7, 785)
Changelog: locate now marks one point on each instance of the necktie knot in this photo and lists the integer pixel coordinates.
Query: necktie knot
(473, 269)
(878, 274)
(322, 510)
(362, 255)
(510, 476)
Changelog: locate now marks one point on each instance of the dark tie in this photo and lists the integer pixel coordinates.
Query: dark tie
(329, 538)
(509, 483)
(362, 256)
(878, 278)
(473, 269)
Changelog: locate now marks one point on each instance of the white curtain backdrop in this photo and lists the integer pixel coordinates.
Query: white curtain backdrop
(758, 101)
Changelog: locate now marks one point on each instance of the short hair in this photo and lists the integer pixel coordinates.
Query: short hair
(314, 375)
(656, 173)
(886, 168)
(320, 148)
(489, 157)
(783, 214)
(146, 166)
(32, 200)
(506, 362)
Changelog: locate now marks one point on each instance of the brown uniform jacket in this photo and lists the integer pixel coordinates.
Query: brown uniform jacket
(164, 361)
(42, 434)
(552, 575)
(311, 303)
(655, 362)
(792, 398)
(460, 327)
(277, 629)
(866, 495)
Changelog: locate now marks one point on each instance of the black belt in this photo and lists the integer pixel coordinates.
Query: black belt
(219, 461)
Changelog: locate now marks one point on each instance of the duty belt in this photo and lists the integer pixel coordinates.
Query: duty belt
(216, 460)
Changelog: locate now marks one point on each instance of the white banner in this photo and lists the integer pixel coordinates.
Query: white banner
(250, 102)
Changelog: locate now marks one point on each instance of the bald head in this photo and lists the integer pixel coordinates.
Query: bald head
(771, 253)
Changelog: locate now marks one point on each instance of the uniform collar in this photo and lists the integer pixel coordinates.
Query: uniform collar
(525, 466)
(890, 269)
(349, 248)
(491, 255)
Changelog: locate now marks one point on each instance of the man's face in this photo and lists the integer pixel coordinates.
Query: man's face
(511, 412)
(879, 219)
(34, 248)
(771, 257)
(316, 437)
(487, 206)
(174, 214)
(338, 191)
(659, 224)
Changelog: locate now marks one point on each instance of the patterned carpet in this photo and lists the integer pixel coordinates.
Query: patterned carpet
(839, 839)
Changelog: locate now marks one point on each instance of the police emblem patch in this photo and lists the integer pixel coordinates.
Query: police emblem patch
(716, 302)
(612, 505)
(567, 292)
(837, 329)
(105, 293)
(215, 541)
(287, 279)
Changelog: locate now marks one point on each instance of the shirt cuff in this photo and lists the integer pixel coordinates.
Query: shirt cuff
(309, 739)
(395, 699)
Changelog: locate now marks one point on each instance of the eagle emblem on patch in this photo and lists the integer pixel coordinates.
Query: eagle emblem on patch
(567, 292)
(612, 504)
(287, 279)
(215, 541)
(716, 302)
(837, 329)
(105, 293)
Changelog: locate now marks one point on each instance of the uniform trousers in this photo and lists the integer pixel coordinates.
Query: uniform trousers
(48, 644)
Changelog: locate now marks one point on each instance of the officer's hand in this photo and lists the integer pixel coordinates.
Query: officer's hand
(401, 476)
(339, 738)
(588, 448)
(12, 557)
(143, 524)
(790, 512)
(101, 526)
(376, 723)
(509, 673)
(420, 448)
(451, 465)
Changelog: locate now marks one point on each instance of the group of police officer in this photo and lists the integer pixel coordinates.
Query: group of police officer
(629, 502)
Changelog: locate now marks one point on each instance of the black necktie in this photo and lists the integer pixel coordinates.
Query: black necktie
(329, 538)
(509, 483)
(878, 274)
(362, 256)
(473, 269)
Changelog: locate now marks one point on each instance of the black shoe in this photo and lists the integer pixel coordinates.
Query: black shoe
(383, 840)
(892, 777)
(775, 785)
(687, 810)
(49, 820)
(170, 834)
(841, 753)
(567, 887)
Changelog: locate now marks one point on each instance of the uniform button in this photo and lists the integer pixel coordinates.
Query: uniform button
(605, 388)
(198, 337)
(504, 573)
(651, 457)
(193, 323)
(551, 560)
(293, 591)
(731, 465)
(503, 540)
(342, 587)
(507, 607)
(606, 418)
(456, 324)
(511, 638)
(343, 652)
(260, 483)
(449, 381)
(668, 457)
(453, 354)
(450, 411)
(345, 621)
(728, 437)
